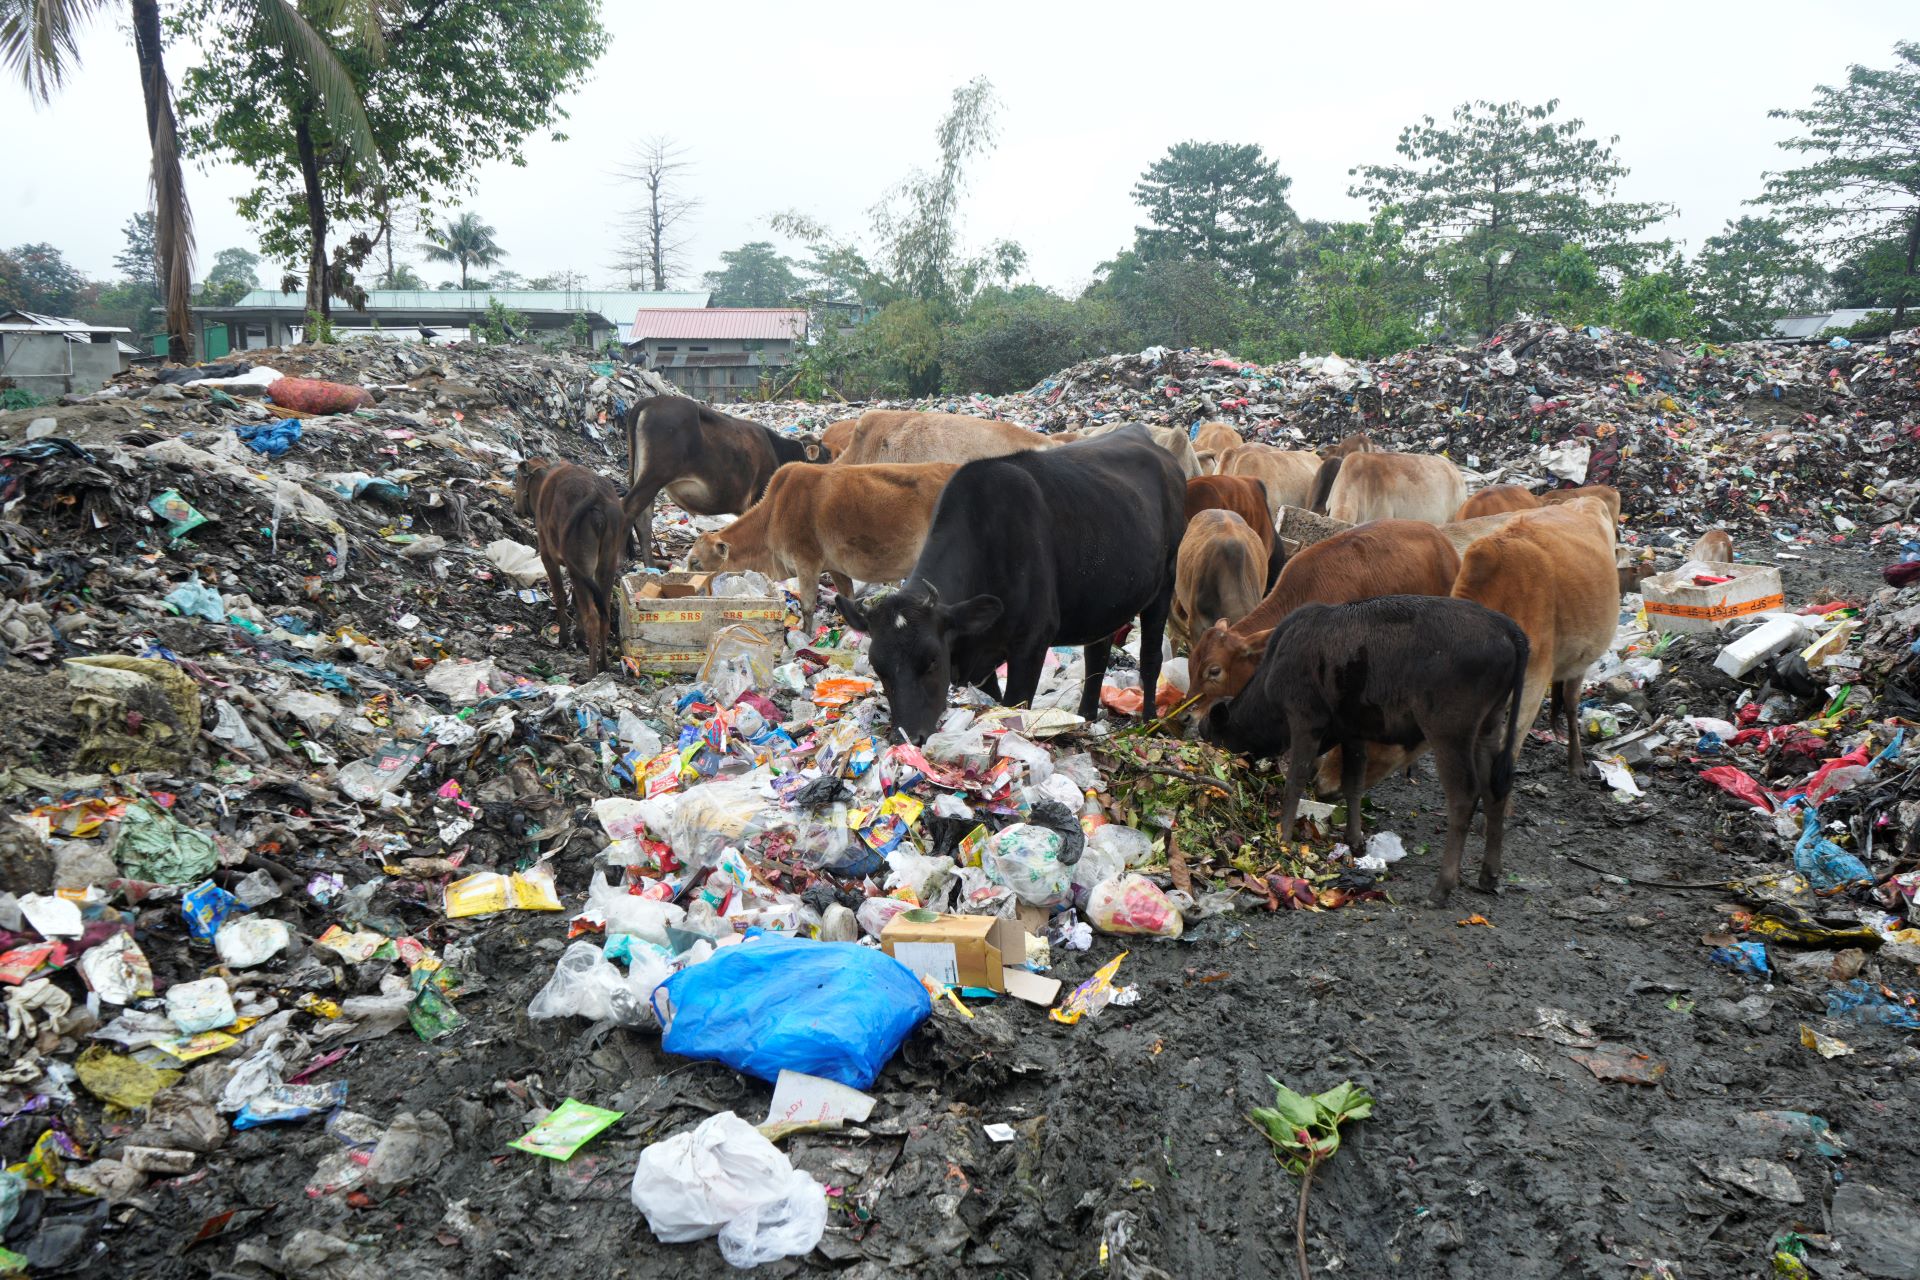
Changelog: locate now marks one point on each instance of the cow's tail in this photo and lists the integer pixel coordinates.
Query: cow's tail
(636, 445)
(1501, 783)
(1323, 486)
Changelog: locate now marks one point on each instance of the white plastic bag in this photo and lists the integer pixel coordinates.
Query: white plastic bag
(624, 912)
(1026, 859)
(1134, 846)
(1133, 905)
(517, 561)
(925, 874)
(586, 984)
(722, 1178)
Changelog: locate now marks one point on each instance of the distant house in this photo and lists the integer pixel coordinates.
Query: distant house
(717, 353)
(269, 318)
(53, 355)
(1809, 326)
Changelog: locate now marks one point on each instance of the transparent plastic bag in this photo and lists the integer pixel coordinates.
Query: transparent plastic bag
(586, 984)
(1026, 859)
(924, 874)
(1098, 863)
(709, 818)
(874, 913)
(1135, 847)
(1133, 905)
(739, 658)
(965, 749)
(722, 1178)
(624, 912)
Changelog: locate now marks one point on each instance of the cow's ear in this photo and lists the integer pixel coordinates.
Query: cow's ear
(971, 617)
(850, 610)
(722, 550)
(815, 453)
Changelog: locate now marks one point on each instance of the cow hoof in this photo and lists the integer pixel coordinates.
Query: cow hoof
(1488, 885)
(1438, 898)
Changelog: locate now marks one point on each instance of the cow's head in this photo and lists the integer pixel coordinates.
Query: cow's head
(1219, 665)
(912, 633)
(709, 554)
(813, 451)
(526, 478)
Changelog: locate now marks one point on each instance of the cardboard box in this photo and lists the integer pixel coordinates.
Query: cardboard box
(667, 620)
(1675, 602)
(967, 951)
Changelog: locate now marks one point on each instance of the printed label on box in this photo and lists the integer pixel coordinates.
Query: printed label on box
(936, 960)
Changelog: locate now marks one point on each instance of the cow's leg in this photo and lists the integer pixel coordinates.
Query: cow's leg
(807, 587)
(1569, 693)
(1153, 628)
(1353, 777)
(990, 686)
(1496, 810)
(1096, 655)
(1023, 674)
(557, 588)
(1299, 773)
(1453, 761)
(638, 508)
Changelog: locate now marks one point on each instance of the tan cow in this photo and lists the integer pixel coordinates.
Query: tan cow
(1172, 439)
(1384, 558)
(1355, 442)
(1605, 492)
(1714, 547)
(1218, 578)
(901, 436)
(865, 522)
(838, 436)
(1388, 486)
(1211, 443)
(1287, 473)
(1490, 501)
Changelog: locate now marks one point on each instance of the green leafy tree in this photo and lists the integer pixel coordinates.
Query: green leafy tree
(13, 282)
(1656, 305)
(235, 266)
(559, 281)
(467, 241)
(507, 280)
(1221, 204)
(139, 260)
(1861, 183)
(1492, 196)
(754, 275)
(448, 85)
(1361, 293)
(1871, 276)
(1172, 302)
(1012, 338)
(49, 284)
(1750, 274)
(502, 324)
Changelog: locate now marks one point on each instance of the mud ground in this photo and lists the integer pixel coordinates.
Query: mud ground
(1491, 1151)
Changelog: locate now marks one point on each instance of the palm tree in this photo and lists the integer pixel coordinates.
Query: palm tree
(465, 240)
(40, 42)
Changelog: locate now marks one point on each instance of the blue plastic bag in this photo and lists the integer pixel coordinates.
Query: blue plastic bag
(206, 908)
(271, 438)
(830, 1009)
(1825, 864)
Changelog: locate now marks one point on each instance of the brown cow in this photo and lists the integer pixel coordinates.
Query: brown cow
(851, 522)
(1211, 443)
(838, 436)
(1173, 439)
(1714, 547)
(1383, 558)
(1247, 498)
(1355, 442)
(1219, 574)
(902, 435)
(1496, 498)
(578, 524)
(1383, 486)
(1605, 492)
(1287, 473)
(707, 462)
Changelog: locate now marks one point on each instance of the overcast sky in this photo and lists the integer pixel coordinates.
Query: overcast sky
(822, 107)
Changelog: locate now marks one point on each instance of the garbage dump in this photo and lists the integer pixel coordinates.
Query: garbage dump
(349, 927)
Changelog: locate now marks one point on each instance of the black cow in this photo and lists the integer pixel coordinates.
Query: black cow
(1399, 670)
(1048, 547)
(709, 463)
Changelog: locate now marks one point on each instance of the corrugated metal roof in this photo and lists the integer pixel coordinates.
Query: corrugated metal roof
(1808, 326)
(607, 302)
(747, 323)
(14, 321)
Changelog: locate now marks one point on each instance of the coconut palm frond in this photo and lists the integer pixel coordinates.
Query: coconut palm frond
(366, 19)
(173, 220)
(40, 40)
(333, 87)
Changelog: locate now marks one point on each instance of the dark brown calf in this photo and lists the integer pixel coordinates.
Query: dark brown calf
(707, 462)
(1246, 497)
(578, 524)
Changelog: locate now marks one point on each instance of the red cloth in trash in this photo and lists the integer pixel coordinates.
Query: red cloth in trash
(1902, 574)
(310, 395)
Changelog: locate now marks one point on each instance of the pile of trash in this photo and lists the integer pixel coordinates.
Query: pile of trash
(1790, 438)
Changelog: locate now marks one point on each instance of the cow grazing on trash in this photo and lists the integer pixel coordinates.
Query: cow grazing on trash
(1049, 547)
(1211, 442)
(1288, 474)
(1221, 572)
(903, 435)
(1715, 546)
(1388, 486)
(851, 522)
(838, 436)
(578, 525)
(1383, 558)
(1173, 439)
(1606, 493)
(707, 462)
(1405, 671)
(1246, 497)
(1352, 443)
(1496, 498)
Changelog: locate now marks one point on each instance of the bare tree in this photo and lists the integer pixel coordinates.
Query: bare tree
(654, 236)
